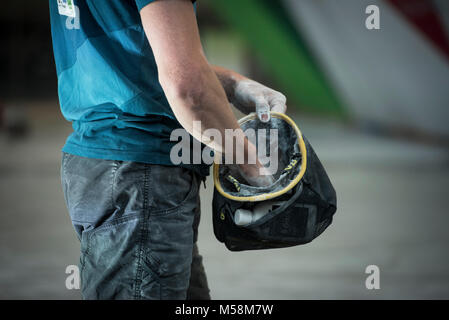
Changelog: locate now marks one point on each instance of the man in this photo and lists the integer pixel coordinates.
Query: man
(129, 73)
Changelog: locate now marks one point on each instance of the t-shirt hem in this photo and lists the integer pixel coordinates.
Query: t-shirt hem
(130, 155)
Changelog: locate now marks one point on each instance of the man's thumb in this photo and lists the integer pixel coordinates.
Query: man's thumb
(263, 110)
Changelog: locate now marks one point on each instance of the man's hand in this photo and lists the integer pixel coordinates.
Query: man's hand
(250, 96)
(256, 175)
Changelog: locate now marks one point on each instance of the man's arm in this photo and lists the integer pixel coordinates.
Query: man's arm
(190, 84)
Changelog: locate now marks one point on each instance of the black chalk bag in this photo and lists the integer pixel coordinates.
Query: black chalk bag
(294, 210)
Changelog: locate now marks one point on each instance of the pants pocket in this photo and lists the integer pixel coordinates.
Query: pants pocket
(109, 259)
(171, 188)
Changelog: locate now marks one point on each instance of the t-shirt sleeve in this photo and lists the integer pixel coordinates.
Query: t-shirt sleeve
(142, 3)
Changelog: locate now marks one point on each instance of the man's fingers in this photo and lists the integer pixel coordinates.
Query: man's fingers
(279, 104)
(263, 110)
(264, 105)
(281, 108)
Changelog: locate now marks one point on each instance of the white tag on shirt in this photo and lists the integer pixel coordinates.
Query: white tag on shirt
(66, 8)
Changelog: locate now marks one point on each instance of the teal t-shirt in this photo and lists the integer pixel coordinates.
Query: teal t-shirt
(108, 82)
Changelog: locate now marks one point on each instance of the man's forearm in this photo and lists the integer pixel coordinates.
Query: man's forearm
(208, 105)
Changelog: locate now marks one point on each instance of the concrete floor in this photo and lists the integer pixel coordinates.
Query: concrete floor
(392, 212)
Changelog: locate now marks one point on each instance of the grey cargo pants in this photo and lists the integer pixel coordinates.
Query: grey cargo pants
(138, 227)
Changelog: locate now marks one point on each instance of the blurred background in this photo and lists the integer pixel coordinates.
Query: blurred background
(373, 103)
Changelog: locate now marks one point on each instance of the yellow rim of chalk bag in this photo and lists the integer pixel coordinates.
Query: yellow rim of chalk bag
(267, 196)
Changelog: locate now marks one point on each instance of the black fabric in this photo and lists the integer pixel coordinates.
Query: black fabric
(309, 209)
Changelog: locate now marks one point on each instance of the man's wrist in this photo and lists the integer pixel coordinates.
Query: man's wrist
(229, 80)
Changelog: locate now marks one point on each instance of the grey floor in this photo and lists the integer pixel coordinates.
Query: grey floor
(392, 212)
